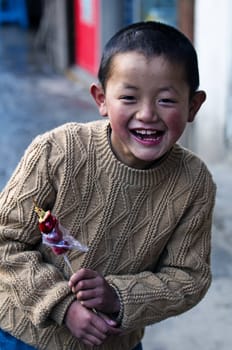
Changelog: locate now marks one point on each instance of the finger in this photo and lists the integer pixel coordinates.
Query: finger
(90, 284)
(75, 278)
(100, 325)
(113, 326)
(91, 340)
(87, 342)
(87, 273)
(90, 304)
(109, 321)
(106, 325)
(96, 331)
(115, 331)
(94, 338)
(80, 275)
(88, 293)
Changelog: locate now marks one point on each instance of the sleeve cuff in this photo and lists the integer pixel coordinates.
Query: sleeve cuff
(59, 311)
(119, 316)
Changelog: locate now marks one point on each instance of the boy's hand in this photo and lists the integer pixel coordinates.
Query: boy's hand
(87, 326)
(94, 292)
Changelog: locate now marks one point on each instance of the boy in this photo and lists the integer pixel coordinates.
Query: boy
(124, 187)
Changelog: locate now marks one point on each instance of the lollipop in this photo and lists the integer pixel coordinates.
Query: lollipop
(56, 236)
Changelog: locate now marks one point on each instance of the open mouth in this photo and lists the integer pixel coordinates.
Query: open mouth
(147, 135)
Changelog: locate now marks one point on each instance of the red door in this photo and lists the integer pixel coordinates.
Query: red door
(87, 34)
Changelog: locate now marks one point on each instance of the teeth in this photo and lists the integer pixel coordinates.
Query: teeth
(146, 132)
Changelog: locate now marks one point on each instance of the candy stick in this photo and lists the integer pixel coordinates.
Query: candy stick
(57, 237)
(66, 259)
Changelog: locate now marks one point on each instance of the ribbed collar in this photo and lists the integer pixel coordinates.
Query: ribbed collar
(123, 173)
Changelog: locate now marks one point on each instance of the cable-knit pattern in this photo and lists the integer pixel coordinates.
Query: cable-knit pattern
(148, 233)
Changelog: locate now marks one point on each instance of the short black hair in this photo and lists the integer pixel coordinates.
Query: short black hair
(152, 39)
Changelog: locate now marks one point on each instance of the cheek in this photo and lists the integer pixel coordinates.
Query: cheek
(117, 114)
(176, 122)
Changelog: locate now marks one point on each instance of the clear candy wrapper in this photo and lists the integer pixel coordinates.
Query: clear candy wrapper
(67, 242)
(56, 236)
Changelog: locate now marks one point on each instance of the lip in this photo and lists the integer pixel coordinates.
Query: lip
(147, 137)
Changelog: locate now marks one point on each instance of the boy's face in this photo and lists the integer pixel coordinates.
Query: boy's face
(147, 102)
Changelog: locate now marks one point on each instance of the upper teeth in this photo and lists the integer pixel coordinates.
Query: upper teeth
(146, 132)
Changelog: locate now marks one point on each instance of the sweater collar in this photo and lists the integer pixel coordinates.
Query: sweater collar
(125, 174)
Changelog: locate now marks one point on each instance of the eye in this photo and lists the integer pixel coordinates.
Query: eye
(128, 98)
(166, 101)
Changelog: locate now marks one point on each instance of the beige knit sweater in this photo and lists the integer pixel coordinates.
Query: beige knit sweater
(148, 233)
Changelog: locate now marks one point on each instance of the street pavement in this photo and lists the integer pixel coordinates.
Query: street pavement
(33, 99)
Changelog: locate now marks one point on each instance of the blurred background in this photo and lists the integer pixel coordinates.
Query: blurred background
(49, 55)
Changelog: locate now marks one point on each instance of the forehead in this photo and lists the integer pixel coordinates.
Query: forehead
(135, 65)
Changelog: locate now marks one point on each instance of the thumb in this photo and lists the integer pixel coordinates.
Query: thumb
(108, 320)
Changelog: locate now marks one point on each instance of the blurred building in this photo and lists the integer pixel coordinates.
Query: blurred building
(75, 31)
(213, 40)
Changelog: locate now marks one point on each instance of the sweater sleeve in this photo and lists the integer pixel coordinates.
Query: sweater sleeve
(182, 276)
(35, 286)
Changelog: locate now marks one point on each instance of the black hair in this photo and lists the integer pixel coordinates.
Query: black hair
(149, 39)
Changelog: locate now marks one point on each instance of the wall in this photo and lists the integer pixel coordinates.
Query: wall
(52, 33)
(213, 43)
(111, 19)
(61, 41)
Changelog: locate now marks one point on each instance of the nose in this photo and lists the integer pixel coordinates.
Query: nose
(147, 112)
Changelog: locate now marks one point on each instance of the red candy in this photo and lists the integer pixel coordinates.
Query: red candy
(62, 249)
(56, 236)
(49, 227)
(47, 223)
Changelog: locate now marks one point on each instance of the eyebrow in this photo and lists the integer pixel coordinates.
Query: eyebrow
(128, 86)
(162, 89)
(169, 88)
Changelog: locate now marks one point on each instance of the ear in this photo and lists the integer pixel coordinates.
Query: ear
(195, 104)
(98, 94)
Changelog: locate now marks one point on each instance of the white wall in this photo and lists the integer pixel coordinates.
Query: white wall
(213, 32)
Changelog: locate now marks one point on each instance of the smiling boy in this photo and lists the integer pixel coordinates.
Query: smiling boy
(148, 103)
(124, 187)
